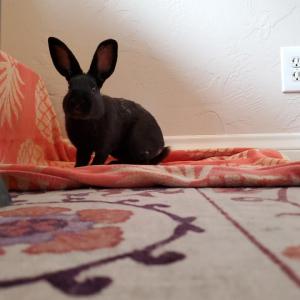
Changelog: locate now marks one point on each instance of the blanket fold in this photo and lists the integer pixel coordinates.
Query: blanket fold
(35, 156)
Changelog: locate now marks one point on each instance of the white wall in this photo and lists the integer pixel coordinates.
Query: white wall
(201, 67)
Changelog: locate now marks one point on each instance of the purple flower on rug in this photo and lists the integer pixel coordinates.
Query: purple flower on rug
(59, 230)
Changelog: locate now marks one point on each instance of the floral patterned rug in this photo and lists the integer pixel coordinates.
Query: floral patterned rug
(162, 243)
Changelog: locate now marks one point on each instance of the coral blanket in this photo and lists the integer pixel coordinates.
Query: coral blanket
(35, 156)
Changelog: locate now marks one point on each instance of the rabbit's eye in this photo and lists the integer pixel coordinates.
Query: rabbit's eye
(94, 90)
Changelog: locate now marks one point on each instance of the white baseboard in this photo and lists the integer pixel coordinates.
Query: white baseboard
(287, 143)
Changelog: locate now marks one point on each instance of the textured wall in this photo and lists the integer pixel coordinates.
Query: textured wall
(201, 67)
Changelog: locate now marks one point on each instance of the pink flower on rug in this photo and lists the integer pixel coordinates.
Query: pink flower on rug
(292, 252)
(105, 216)
(60, 230)
(86, 240)
(33, 211)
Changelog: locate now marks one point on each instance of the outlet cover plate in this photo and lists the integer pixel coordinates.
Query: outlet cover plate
(290, 69)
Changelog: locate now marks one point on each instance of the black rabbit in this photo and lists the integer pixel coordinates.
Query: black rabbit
(99, 124)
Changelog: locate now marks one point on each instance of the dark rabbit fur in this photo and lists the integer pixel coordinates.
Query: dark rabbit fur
(100, 124)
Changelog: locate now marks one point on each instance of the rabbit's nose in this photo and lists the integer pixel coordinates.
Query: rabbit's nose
(77, 108)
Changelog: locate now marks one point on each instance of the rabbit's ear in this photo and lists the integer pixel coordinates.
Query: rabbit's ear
(63, 59)
(104, 61)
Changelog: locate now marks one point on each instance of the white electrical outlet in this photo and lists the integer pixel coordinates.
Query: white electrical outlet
(290, 69)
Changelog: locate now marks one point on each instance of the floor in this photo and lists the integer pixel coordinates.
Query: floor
(161, 243)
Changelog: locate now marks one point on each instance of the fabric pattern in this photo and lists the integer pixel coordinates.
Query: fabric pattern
(29, 130)
(163, 243)
(34, 155)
